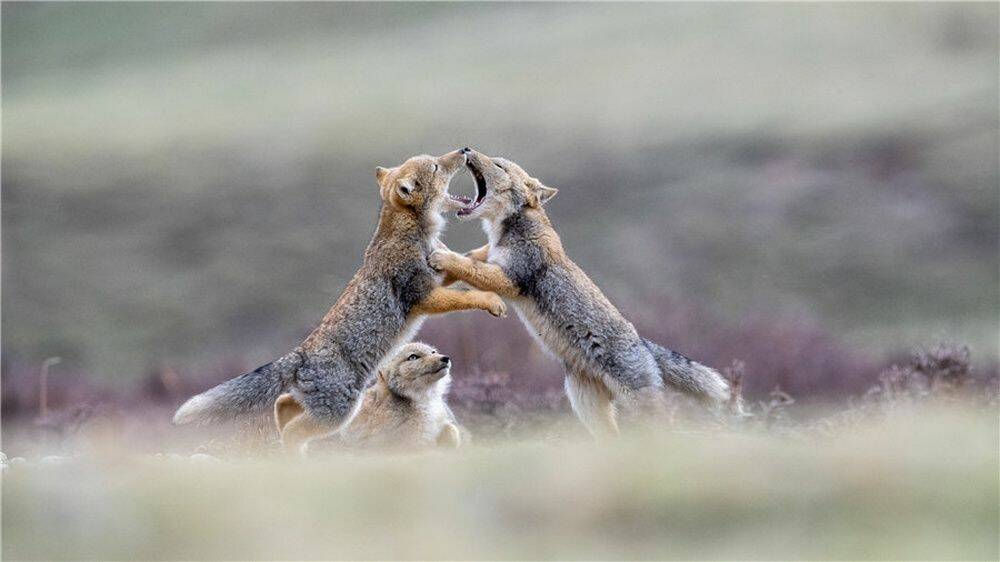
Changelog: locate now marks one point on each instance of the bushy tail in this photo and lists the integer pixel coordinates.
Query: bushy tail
(690, 377)
(245, 394)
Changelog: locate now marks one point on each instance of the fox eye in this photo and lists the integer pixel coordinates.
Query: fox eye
(412, 357)
(499, 166)
(435, 168)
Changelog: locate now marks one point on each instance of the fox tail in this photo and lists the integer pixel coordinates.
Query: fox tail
(245, 394)
(692, 378)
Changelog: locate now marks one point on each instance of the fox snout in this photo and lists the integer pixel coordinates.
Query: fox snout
(440, 362)
(439, 367)
(475, 157)
(452, 161)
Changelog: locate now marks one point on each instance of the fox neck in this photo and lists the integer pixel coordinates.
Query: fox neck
(388, 394)
(536, 217)
(493, 230)
(431, 393)
(424, 225)
(434, 393)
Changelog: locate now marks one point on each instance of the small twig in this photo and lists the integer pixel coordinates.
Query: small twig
(779, 400)
(171, 381)
(43, 385)
(735, 375)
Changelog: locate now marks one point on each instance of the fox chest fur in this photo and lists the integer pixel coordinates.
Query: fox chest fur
(388, 421)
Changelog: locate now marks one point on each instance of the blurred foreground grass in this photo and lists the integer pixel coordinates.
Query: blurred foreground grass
(914, 486)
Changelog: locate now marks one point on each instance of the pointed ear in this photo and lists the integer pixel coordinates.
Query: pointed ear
(543, 192)
(381, 173)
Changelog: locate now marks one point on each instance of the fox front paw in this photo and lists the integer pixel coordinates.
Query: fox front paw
(443, 260)
(496, 306)
(449, 437)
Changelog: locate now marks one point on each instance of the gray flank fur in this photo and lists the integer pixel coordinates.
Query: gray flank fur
(586, 330)
(577, 316)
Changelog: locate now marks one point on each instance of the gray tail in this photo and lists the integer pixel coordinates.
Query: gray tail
(246, 394)
(690, 377)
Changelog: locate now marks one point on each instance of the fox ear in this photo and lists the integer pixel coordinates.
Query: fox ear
(381, 173)
(542, 192)
(545, 193)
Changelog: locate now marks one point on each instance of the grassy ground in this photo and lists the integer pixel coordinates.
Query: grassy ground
(911, 486)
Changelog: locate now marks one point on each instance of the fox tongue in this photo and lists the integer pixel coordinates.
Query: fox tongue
(466, 210)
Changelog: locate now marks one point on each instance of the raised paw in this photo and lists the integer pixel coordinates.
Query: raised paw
(441, 260)
(496, 306)
(449, 437)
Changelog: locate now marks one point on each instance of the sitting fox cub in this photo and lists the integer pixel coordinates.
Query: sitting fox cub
(404, 409)
(607, 361)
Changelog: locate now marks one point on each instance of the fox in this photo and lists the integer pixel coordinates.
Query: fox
(381, 307)
(608, 364)
(404, 409)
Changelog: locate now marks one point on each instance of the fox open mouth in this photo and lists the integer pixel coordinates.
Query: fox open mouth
(481, 191)
(460, 199)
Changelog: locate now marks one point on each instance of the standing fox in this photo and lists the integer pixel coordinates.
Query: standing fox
(404, 409)
(382, 306)
(607, 362)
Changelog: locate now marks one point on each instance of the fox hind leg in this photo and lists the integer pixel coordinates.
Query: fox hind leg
(641, 398)
(449, 437)
(644, 407)
(300, 430)
(593, 403)
(286, 408)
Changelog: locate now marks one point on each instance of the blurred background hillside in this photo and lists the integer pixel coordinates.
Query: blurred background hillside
(190, 184)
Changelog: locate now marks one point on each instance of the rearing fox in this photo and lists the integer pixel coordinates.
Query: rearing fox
(381, 307)
(607, 362)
